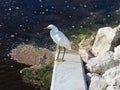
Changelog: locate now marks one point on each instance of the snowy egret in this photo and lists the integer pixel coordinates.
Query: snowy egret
(60, 39)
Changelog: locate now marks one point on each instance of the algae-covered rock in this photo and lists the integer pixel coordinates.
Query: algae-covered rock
(38, 76)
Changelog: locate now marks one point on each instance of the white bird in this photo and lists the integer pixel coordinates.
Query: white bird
(60, 39)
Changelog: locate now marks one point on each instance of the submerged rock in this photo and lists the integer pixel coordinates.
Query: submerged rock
(31, 55)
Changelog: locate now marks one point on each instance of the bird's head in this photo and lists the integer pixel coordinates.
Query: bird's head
(51, 26)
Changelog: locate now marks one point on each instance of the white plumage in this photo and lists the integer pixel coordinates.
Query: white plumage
(59, 38)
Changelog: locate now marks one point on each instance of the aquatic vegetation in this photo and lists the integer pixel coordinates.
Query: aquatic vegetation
(77, 34)
(38, 76)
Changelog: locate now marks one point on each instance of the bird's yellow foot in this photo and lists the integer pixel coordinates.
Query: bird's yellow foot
(59, 60)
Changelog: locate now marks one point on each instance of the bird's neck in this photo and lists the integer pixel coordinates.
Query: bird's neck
(54, 30)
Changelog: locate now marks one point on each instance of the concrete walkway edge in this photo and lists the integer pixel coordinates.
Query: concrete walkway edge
(69, 75)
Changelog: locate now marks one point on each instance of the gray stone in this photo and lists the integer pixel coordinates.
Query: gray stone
(106, 39)
(97, 83)
(102, 63)
(112, 76)
(85, 55)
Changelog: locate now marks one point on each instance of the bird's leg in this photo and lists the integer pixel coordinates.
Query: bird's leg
(63, 53)
(58, 52)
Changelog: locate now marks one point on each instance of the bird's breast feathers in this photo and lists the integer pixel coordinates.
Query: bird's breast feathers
(60, 39)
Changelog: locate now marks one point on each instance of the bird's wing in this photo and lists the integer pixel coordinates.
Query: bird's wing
(62, 40)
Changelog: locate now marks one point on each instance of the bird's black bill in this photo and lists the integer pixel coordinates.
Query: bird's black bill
(46, 28)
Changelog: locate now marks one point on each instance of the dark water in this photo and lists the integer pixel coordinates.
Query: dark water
(24, 20)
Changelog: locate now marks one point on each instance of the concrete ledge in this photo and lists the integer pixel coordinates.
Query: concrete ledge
(68, 75)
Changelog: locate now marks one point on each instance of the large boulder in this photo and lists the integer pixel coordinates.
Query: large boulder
(97, 83)
(102, 63)
(106, 39)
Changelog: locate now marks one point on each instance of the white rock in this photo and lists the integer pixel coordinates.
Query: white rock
(112, 76)
(116, 81)
(100, 45)
(102, 63)
(112, 88)
(85, 55)
(97, 83)
(106, 39)
(117, 52)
